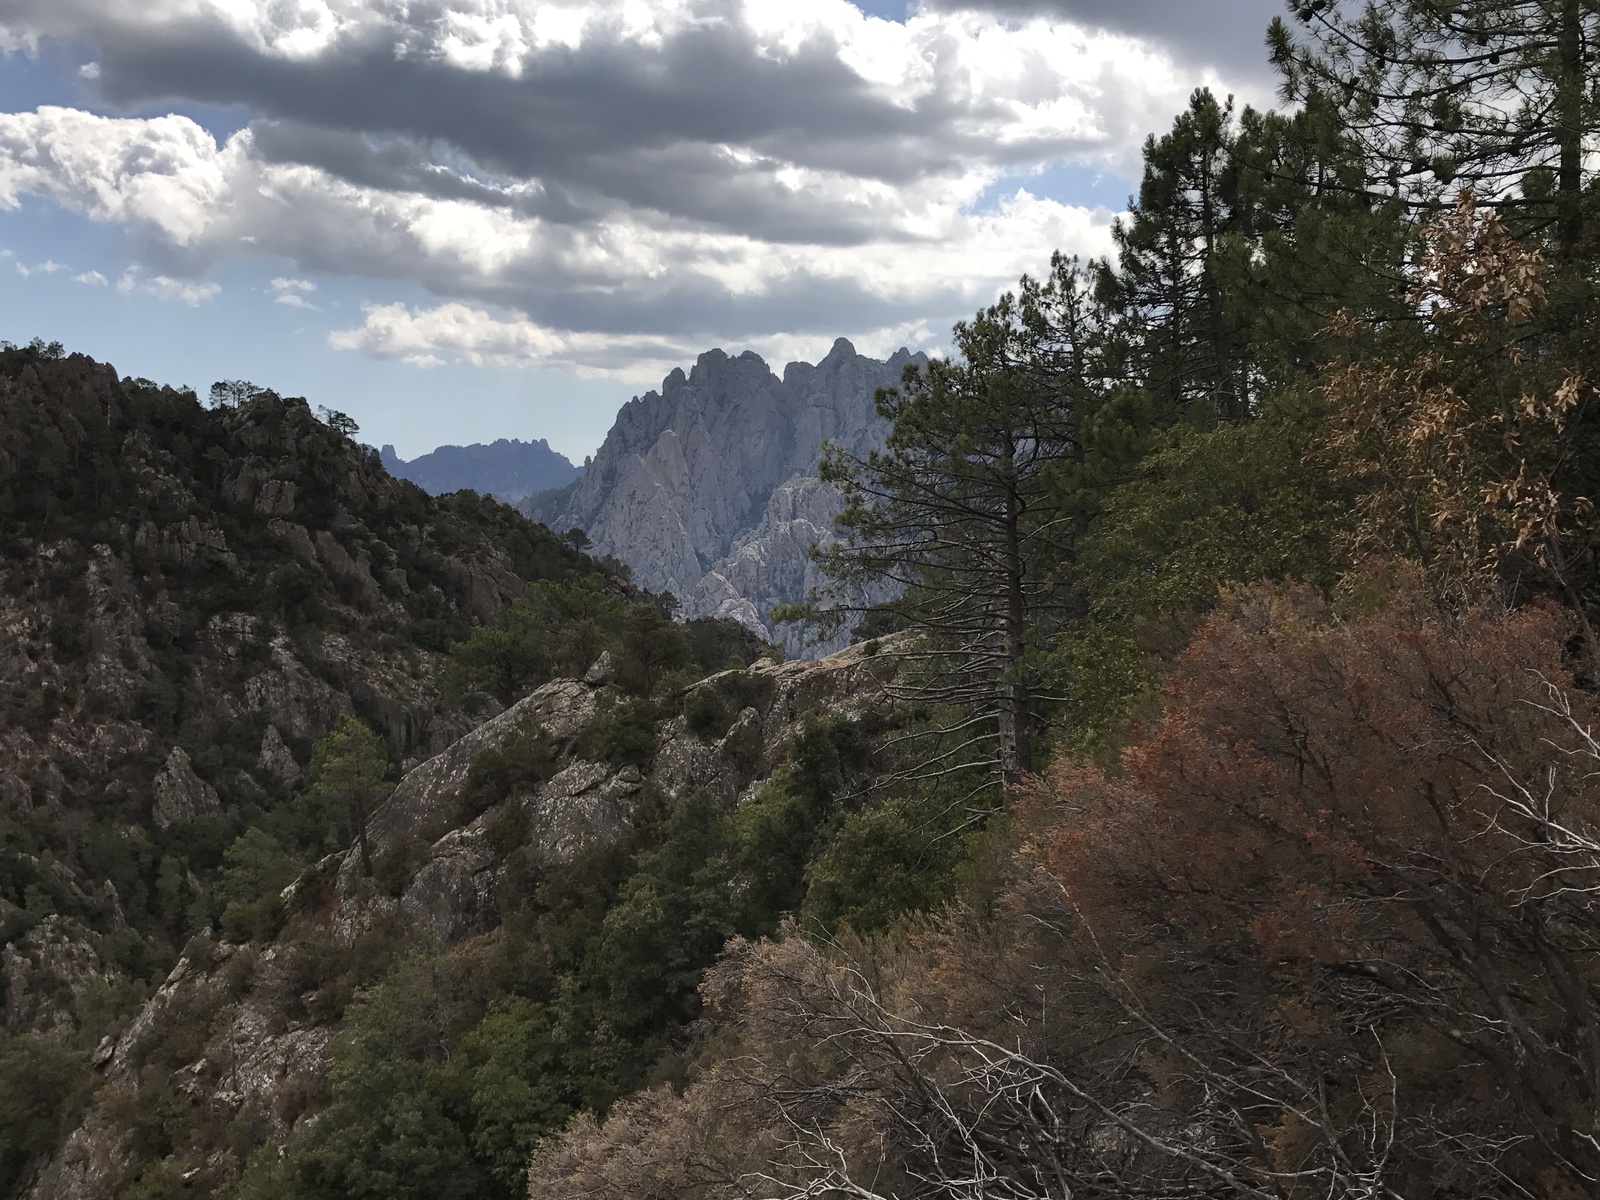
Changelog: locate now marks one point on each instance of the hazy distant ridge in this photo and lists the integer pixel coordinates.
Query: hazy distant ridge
(508, 469)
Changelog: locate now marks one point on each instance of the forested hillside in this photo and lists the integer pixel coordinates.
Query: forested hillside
(228, 633)
(1213, 813)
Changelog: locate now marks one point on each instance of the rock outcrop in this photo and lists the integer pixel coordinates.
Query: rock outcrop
(708, 488)
(46, 973)
(190, 598)
(243, 1030)
(180, 794)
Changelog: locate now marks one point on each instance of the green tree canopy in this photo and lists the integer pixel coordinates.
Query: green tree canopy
(350, 769)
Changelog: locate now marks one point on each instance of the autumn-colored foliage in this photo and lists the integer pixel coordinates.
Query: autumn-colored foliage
(1457, 435)
(1372, 840)
(1331, 932)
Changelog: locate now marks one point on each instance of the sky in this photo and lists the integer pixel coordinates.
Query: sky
(457, 220)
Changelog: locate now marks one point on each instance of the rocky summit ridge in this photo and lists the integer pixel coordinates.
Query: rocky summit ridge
(707, 488)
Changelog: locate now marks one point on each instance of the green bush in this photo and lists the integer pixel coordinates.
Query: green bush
(622, 734)
(507, 825)
(653, 647)
(503, 661)
(712, 707)
(257, 869)
(394, 867)
(517, 765)
(43, 1083)
(706, 712)
(670, 919)
(256, 921)
(717, 642)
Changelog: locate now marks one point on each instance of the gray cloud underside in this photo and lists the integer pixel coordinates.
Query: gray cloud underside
(684, 181)
(695, 185)
(613, 126)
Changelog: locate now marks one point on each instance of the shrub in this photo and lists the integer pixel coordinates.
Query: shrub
(712, 707)
(622, 734)
(706, 712)
(717, 642)
(653, 647)
(257, 869)
(507, 825)
(517, 765)
(503, 661)
(42, 1085)
(396, 865)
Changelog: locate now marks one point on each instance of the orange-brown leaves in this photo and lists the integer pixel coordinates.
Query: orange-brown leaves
(1302, 771)
(1312, 941)
(1456, 438)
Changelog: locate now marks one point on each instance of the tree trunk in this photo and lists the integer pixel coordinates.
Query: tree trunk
(1569, 125)
(358, 826)
(1016, 715)
(1222, 400)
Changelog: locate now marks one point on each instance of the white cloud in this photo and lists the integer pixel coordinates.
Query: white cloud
(162, 174)
(429, 337)
(292, 293)
(607, 185)
(91, 279)
(164, 287)
(28, 270)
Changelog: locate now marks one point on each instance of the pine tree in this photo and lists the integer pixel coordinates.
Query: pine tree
(350, 767)
(1493, 95)
(979, 494)
(1185, 340)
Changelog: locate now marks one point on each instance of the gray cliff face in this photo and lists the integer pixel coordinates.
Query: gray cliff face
(771, 565)
(708, 488)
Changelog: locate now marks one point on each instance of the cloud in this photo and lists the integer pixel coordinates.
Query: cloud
(161, 175)
(1230, 34)
(91, 279)
(162, 287)
(292, 293)
(425, 336)
(28, 270)
(642, 176)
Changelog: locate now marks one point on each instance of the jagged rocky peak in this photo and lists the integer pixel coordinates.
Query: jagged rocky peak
(707, 487)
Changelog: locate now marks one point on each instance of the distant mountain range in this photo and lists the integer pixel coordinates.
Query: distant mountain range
(707, 488)
(507, 469)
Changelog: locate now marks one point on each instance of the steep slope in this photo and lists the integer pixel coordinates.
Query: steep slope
(707, 488)
(190, 598)
(233, 1049)
(508, 470)
(226, 630)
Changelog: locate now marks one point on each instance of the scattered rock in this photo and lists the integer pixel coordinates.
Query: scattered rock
(45, 972)
(276, 496)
